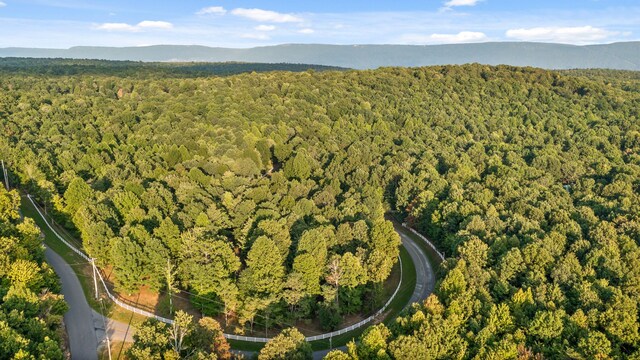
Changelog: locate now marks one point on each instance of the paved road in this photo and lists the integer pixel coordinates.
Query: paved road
(425, 277)
(79, 318)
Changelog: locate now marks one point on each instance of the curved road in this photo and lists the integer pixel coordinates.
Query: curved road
(86, 330)
(79, 319)
(425, 277)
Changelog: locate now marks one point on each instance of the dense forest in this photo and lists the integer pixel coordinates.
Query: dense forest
(30, 307)
(257, 224)
(268, 193)
(141, 70)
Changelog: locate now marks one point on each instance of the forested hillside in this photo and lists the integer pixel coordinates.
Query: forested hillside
(170, 186)
(268, 192)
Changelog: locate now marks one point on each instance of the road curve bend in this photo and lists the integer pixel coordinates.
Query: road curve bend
(425, 276)
(79, 319)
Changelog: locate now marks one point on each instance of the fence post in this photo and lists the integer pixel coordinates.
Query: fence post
(95, 281)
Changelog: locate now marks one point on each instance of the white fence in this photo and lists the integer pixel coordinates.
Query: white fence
(365, 321)
(440, 254)
(228, 336)
(337, 332)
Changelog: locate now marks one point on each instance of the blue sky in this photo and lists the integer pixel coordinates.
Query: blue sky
(238, 23)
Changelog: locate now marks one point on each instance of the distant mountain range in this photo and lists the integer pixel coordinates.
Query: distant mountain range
(623, 56)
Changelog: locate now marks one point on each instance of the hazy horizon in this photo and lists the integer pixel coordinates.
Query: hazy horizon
(316, 44)
(61, 24)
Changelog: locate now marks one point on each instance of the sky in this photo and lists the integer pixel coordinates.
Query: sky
(239, 23)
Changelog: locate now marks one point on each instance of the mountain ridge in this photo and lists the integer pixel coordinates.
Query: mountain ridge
(620, 55)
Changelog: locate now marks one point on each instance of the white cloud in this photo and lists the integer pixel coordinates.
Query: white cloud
(306, 31)
(147, 24)
(266, 15)
(265, 27)
(2, 4)
(143, 25)
(461, 37)
(574, 35)
(116, 27)
(212, 10)
(453, 3)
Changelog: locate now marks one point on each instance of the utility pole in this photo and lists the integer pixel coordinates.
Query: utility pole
(95, 281)
(104, 322)
(106, 332)
(170, 284)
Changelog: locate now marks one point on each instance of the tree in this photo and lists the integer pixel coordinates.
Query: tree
(30, 309)
(151, 341)
(312, 256)
(279, 232)
(310, 268)
(384, 250)
(208, 266)
(126, 202)
(78, 194)
(293, 290)
(184, 339)
(337, 355)
(181, 327)
(374, 343)
(353, 271)
(265, 272)
(298, 167)
(169, 233)
(289, 344)
(169, 274)
(526, 178)
(547, 325)
(129, 263)
(334, 275)
(595, 346)
(208, 337)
